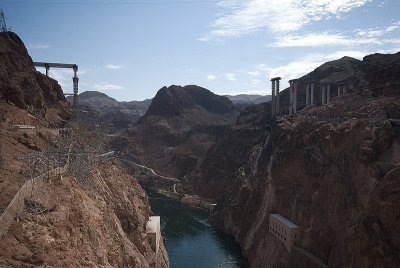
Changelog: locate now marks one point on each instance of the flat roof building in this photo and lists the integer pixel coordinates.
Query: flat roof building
(286, 231)
(153, 230)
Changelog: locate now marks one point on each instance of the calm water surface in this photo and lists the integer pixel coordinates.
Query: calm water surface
(191, 242)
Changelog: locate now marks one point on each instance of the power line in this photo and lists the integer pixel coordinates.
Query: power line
(113, 3)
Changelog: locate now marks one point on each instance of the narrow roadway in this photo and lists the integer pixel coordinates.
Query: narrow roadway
(151, 170)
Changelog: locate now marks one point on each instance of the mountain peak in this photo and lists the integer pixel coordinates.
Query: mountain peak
(171, 101)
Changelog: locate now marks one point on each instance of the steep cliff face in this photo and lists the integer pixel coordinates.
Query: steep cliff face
(177, 130)
(56, 221)
(231, 151)
(22, 85)
(337, 180)
(99, 225)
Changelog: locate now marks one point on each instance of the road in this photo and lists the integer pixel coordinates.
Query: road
(151, 170)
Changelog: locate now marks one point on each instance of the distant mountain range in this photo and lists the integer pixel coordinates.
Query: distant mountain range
(248, 99)
(123, 114)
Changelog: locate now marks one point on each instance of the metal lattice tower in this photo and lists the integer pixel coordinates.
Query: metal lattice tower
(3, 21)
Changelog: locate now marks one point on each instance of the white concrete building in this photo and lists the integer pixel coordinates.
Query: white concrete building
(286, 231)
(153, 231)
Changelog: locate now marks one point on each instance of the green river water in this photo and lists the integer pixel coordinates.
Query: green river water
(191, 241)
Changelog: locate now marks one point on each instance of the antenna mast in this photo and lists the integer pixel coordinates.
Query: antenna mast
(3, 21)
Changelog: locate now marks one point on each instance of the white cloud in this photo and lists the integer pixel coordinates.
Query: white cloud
(63, 77)
(254, 73)
(230, 76)
(323, 39)
(104, 87)
(248, 16)
(38, 46)
(211, 77)
(111, 66)
(378, 31)
(302, 66)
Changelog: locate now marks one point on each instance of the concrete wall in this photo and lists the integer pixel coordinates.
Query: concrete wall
(288, 234)
(153, 231)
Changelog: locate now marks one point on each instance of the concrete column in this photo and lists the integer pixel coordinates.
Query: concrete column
(75, 100)
(273, 98)
(312, 93)
(328, 99)
(323, 94)
(307, 94)
(277, 96)
(291, 89)
(295, 98)
(338, 91)
(47, 69)
(344, 89)
(75, 79)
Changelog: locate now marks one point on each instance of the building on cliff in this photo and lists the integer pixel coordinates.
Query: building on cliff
(153, 231)
(286, 231)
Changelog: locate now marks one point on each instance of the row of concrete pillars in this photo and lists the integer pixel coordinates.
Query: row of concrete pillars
(326, 96)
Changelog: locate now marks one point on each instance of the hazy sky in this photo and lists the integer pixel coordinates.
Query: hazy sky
(129, 49)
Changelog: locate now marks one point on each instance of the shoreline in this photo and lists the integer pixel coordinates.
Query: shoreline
(191, 200)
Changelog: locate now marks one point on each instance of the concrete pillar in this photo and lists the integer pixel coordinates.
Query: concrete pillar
(273, 98)
(328, 99)
(312, 93)
(295, 98)
(291, 90)
(75, 100)
(47, 69)
(323, 94)
(75, 80)
(277, 96)
(344, 89)
(307, 94)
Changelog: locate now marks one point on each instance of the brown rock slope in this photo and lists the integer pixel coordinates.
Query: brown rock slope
(98, 224)
(339, 181)
(177, 130)
(22, 85)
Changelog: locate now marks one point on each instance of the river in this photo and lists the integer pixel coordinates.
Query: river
(191, 241)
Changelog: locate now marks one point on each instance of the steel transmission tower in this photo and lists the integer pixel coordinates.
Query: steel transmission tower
(3, 21)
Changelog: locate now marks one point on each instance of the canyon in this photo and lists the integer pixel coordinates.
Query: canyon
(332, 169)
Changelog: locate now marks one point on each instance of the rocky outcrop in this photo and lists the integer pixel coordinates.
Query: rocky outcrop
(177, 130)
(22, 85)
(52, 220)
(231, 151)
(174, 100)
(100, 225)
(337, 180)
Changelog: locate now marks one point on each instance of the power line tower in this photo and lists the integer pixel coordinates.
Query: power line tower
(3, 21)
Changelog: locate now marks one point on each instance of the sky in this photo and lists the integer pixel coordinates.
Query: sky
(129, 49)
